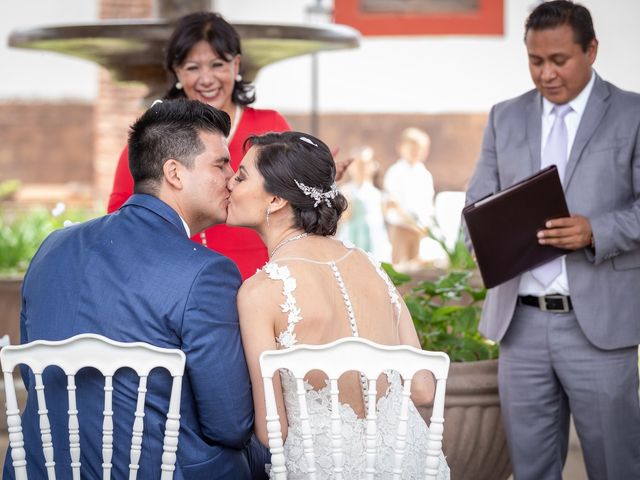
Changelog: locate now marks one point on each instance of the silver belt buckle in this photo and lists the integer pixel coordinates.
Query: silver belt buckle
(565, 303)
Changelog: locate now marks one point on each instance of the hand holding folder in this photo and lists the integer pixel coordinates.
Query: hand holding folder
(503, 227)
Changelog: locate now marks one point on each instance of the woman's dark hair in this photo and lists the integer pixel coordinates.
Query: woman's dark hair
(223, 39)
(289, 157)
(563, 12)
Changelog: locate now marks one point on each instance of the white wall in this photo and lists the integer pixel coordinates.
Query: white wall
(386, 74)
(39, 75)
(431, 74)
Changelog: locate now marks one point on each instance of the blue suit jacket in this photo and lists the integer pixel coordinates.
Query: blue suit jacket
(135, 276)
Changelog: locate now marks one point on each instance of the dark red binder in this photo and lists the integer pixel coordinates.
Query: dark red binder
(503, 226)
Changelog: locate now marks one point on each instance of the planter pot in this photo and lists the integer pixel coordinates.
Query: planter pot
(10, 302)
(474, 441)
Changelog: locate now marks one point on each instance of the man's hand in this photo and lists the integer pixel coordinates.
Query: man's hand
(341, 165)
(570, 233)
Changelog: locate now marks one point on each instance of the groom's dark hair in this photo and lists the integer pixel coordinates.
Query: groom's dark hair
(170, 129)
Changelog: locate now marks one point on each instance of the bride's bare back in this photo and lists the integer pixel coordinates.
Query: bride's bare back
(329, 291)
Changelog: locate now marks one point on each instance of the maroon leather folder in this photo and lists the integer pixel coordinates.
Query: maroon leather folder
(503, 226)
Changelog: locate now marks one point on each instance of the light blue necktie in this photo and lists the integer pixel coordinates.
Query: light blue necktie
(555, 153)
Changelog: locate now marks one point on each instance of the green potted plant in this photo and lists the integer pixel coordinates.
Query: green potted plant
(21, 233)
(446, 312)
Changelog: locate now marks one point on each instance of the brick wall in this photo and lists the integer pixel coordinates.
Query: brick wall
(117, 105)
(125, 8)
(455, 140)
(51, 143)
(46, 142)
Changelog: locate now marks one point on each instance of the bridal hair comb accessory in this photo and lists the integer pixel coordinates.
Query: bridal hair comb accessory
(317, 194)
(307, 140)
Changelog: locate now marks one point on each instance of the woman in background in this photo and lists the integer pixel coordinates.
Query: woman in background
(203, 62)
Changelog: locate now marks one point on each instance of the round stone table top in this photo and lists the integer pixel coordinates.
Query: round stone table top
(132, 49)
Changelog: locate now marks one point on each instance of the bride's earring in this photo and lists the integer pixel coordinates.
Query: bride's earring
(178, 85)
(268, 213)
(238, 78)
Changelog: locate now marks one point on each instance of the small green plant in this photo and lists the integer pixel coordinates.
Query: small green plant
(8, 188)
(446, 313)
(22, 232)
(459, 256)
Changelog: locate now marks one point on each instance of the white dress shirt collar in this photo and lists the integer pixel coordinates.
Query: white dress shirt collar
(578, 104)
(186, 227)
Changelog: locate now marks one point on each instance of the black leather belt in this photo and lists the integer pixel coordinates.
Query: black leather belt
(548, 303)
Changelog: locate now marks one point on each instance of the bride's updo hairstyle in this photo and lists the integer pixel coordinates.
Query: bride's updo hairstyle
(300, 168)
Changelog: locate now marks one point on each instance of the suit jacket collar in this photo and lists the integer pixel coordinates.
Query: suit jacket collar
(597, 106)
(534, 132)
(158, 207)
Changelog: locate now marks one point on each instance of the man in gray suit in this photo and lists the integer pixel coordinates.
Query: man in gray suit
(569, 339)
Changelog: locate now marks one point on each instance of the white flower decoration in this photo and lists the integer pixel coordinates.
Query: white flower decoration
(276, 272)
(58, 209)
(289, 285)
(287, 339)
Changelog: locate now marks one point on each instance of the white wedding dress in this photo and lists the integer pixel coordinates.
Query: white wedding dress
(349, 270)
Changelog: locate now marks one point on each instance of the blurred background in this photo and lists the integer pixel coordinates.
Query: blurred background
(434, 67)
(63, 122)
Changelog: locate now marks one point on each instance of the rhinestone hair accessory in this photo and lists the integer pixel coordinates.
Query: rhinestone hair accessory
(317, 194)
(309, 141)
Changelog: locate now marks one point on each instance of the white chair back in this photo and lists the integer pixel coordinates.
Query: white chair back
(107, 356)
(371, 360)
(448, 207)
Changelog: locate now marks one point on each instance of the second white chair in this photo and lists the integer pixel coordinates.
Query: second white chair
(372, 360)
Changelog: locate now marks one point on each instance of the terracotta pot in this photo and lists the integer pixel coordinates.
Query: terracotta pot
(10, 308)
(10, 302)
(474, 441)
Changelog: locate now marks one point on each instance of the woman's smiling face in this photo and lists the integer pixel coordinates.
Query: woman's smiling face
(208, 77)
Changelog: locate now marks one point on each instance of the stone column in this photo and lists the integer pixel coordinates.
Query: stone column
(117, 105)
(172, 9)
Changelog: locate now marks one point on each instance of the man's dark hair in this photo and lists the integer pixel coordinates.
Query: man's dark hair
(170, 129)
(556, 13)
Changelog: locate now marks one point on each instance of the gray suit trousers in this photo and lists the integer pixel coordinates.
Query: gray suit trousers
(547, 369)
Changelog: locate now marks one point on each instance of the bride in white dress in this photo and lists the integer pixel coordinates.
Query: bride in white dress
(314, 290)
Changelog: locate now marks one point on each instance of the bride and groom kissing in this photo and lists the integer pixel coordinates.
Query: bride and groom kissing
(135, 275)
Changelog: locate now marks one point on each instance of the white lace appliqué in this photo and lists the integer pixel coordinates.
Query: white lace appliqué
(393, 293)
(275, 272)
(353, 432)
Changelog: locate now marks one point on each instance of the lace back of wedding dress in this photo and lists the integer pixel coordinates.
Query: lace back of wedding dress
(324, 301)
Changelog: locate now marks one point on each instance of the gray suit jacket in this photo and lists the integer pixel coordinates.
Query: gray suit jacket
(602, 182)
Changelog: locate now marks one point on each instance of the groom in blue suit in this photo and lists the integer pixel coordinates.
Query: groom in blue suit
(135, 276)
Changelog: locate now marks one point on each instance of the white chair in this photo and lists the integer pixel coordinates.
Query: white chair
(371, 359)
(448, 207)
(107, 356)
